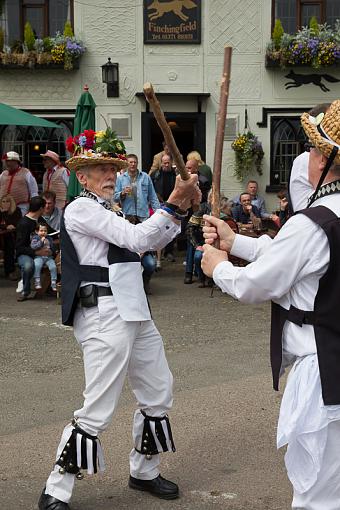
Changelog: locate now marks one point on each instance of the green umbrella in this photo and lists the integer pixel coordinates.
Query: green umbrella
(83, 119)
(10, 116)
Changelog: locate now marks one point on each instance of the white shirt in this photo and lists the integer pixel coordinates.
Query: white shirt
(91, 228)
(286, 270)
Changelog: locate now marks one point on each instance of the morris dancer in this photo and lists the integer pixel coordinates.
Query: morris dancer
(299, 271)
(104, 300)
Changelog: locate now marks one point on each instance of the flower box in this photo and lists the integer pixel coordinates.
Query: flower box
(31, 65)
(317, 47)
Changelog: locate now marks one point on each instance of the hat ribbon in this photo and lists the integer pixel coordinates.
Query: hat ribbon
(326, 137)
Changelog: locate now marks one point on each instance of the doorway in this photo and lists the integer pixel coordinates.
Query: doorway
(188, 130)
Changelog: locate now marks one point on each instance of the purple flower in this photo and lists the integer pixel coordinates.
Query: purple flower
(82, 141)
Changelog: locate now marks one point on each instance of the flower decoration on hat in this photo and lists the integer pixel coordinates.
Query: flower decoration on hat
(316, 120)
(91, 147)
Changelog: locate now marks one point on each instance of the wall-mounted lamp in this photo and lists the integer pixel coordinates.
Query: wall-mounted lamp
(110, 76)
(36, 147)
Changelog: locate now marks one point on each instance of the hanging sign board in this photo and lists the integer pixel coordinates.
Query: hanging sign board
(172, 21)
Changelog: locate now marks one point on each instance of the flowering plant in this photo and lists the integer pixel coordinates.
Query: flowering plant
(96, 143)
(316, 45)
(248, 155)
(60, 49)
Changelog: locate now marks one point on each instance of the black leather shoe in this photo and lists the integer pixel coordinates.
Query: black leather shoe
(159, 487)
(47, 502)
(188, 278)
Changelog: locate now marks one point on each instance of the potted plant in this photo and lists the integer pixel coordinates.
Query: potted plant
(248, 155)
(315, 46)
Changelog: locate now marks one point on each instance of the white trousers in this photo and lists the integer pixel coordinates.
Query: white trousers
(111, 349)
(325, 493)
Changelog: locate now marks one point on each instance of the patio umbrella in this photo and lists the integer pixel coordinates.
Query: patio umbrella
(83, 119)
(10, 116)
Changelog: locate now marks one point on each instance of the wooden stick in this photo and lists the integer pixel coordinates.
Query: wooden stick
(168, 136)
(222, 113)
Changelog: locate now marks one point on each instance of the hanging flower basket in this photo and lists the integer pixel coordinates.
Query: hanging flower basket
(248, 155)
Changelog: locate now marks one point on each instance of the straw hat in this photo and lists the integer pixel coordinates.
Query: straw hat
(93, 158)
(324, 130)
(52, 155)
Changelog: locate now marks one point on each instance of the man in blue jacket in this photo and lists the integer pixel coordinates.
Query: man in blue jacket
(135, 191)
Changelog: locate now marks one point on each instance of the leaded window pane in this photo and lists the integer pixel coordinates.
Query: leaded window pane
(285, 10)
(59, 13)
(332, 11)
(308, 11)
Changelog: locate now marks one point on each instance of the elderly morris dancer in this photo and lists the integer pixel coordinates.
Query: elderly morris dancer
(104, 300)
(299, 271)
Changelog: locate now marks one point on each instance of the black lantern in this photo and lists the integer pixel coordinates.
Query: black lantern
(110, 76)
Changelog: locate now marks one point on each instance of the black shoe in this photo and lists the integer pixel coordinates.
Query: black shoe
(159, 487)
(188, 278)
(47, 502)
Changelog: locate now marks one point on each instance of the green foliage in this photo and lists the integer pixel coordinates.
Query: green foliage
(314, 26)
(68, 32)
(277, 34)
(2, 39)
(29, 38)
(47, 44)
(107, 141)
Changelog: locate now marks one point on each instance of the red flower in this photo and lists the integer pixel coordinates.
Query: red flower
(121, 156)
(70, 145)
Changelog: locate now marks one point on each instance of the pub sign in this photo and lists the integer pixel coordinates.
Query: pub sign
(172, 21)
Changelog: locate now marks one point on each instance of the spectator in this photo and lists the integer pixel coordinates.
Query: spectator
(257, 201)
(41, 240)
(17, 181)
(135, 191)
(284, 209)
(193, 168)
(164, 182)
(244, 212)
(203, 168)
(157, 159)
(195, 241)
(56, 177)
(25, 254)
(10, 215)
(51, 215)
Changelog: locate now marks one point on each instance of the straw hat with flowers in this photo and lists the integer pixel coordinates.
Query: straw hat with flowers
(323, 131)
(96, 148)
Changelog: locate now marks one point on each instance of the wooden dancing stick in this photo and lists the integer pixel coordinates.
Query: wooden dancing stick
(222, 113)
(168, 136)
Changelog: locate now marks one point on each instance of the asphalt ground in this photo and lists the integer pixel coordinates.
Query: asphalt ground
(224, 415)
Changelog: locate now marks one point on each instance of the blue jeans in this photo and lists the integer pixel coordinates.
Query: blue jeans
(198, 260)
(189, 258)
(26, 265)
(39, 262)
(149, 264)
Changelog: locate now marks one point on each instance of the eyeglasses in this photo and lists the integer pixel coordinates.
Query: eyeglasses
(309, 146)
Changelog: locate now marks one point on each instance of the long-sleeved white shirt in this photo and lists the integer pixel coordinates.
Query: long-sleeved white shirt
(91, 228)
(286, 270)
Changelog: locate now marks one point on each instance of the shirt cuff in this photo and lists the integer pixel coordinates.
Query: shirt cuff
(243, 247)
(223, 275)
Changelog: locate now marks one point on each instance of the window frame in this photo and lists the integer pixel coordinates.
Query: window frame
(45, 7)
(277, 120)
(299, 4)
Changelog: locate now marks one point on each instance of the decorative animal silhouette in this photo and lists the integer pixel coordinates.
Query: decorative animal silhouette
(175, 6)
(304, 79)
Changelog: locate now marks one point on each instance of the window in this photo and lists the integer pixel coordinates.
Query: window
(46, 17)
(287, 142)
(296, 13)
(30, 142)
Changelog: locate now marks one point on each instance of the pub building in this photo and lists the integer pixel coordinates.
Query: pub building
(177, 46)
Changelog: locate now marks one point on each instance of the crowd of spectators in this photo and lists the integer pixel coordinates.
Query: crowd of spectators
(30, 223)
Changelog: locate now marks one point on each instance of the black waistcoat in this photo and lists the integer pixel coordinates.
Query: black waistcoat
(73, 273)
(324, 318)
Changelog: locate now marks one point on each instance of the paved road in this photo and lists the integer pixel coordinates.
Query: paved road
(224, 416)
